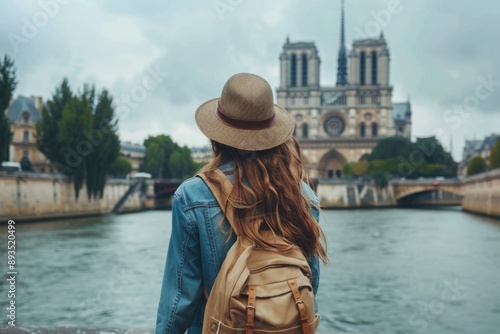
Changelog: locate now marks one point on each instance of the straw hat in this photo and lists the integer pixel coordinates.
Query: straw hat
(245, 116)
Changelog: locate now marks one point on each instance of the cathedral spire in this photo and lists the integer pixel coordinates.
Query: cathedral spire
(342, 59)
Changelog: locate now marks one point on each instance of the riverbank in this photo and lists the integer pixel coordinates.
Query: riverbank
(41, 196)
(482, 194)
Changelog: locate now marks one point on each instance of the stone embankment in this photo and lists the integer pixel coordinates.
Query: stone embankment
(39, 196)
(482, 194)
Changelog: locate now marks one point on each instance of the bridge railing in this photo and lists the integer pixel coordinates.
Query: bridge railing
(426, 182)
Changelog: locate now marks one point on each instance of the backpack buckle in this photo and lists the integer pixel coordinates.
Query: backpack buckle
(215, 327)
(250, 306)
(300, 301)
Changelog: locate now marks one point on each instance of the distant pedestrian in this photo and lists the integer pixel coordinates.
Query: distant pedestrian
(251, 199)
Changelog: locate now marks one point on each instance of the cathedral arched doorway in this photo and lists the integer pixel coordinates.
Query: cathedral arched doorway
(331, 165)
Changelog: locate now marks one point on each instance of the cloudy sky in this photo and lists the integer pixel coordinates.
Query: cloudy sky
(161, 59)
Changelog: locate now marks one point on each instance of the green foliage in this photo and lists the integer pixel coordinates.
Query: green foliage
(476, 165)
(8, 84)
(5, 137)
(120, 167)
(391, 147)
(495, 156)
(76, 120)
(356, 168)
(48, 127)
(106, 144)
(434, 152)
(78, 134)
(398, 156)
(167, 159)
(347, 170)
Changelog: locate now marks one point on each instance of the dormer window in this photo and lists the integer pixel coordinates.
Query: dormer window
(26, 117)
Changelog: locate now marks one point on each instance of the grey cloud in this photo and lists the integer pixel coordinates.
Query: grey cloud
(438, 49)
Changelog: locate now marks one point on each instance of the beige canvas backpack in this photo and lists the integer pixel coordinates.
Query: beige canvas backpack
(258, 290)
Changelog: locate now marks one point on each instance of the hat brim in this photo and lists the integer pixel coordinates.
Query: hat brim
(249, 140)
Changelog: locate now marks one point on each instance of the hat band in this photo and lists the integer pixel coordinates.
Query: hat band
(243, 124)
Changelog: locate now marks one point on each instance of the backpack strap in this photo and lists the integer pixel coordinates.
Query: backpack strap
(221, 196)
(250, 310)
(300, 306)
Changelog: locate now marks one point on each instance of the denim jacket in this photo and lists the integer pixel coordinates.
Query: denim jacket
(195, 254)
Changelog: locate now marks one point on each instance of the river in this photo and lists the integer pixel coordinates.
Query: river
(391, 271)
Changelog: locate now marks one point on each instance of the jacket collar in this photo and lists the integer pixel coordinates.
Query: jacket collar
(227, 166)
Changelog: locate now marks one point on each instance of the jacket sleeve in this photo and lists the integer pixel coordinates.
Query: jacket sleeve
(181, 289)
(314, 264)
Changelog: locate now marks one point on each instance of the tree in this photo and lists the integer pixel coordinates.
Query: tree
(153, 159)
(8, 84)
(476, 165)
(434, 152)
(75, 122)
(391, 147)
(105, 143)
(5, 137)
(399, 156)
(165, 158)
(120, 167)
(47, 128)
(78, 134)
(495, 156)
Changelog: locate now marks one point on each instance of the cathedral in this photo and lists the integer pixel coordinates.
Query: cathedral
(341, 124)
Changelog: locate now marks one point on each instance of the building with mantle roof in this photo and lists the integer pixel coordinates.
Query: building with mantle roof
(23, 113)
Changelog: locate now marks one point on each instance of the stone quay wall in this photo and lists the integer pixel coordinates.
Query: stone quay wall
(356, 194)
(38, 196)
(482, 194)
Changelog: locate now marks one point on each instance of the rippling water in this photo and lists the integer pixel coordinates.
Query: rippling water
(391, 271)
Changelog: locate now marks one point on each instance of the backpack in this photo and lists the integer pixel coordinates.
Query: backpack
(258, 290)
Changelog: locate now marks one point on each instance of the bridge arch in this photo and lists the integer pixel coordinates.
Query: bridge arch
(408, 193)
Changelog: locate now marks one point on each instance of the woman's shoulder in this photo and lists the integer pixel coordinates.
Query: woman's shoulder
(194, 190)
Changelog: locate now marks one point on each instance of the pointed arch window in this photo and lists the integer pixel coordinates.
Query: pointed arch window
(293, 71)
(305, 130)
(362, 130)
(374, 130)
(362, 68)
(374, 68)
(304, 70)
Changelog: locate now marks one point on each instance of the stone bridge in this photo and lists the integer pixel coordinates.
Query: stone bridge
(404, 189)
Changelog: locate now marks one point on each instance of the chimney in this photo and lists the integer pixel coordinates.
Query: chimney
(38, 102)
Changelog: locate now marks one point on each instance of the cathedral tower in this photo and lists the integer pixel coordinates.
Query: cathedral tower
(342, 58)
(370, 62)
(299, 65)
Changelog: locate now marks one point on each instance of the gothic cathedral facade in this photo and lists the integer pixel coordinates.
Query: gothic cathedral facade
(341, 124)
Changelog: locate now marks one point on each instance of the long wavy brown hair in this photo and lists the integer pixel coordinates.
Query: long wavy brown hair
(266, 194)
